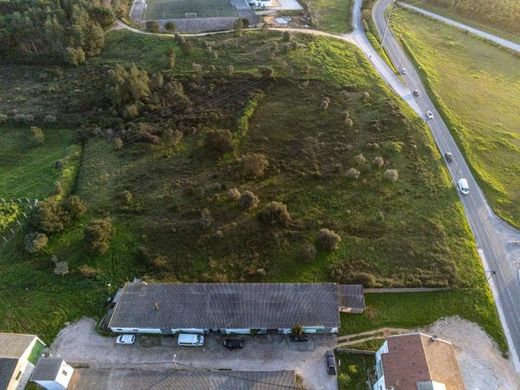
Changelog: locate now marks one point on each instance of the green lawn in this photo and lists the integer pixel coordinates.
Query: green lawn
(477, 87)
(169, 9)
(334, 16)
(354, 370)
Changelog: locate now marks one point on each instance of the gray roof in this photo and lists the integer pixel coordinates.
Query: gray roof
(351, 296)
(7, 366)
(181, 380)
(14, 344)
(47, 369)
(226, 305)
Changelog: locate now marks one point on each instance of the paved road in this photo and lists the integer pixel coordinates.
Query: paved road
(493, 236)
(490, 37)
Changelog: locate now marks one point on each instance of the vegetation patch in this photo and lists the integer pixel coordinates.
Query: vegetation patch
(334, 16)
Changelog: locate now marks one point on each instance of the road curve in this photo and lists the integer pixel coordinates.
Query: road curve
(482, 34)
(495, 239)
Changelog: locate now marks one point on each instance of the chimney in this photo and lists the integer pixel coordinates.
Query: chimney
(156, 306)
(433, 338)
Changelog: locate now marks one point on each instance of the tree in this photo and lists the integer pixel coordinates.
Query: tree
(220, 140)
(49, 217)
(255, 164)
(170, 26)
(171, 57)
(275, 213)
(74, 56)
(35, 242)
(172, 137)
(248, 200)
(97, 236)
(328, 239)
(153, 26)
(37, 136)
(75, 207)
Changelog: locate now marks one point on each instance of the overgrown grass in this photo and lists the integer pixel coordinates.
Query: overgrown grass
(413, 310)
(334, 16)
(477, 86)
(354, 370)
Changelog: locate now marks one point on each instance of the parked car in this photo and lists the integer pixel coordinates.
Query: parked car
(190, 340)
(463, 186)
(126, 339)
(403, 70)
(233, 343)
(415, 92)
(429, 114)
(299, 337)
(449, 156)
(331, 362)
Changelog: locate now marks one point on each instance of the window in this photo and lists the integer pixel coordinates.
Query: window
(64, 372)
(18, 375)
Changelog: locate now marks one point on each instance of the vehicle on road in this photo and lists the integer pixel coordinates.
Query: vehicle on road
(463, 186)
(233, 343)
(190, 340)
(125, 339)
(415, 92)
(403, 70)
(429, 114)
(355, 26)
(331, 362)
(448, 156)
(299, 337)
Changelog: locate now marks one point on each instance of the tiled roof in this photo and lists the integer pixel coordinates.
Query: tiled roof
(14, 344)
(7, 366)
(87, 379)
(351, 296)
(46, 369)
(417, 357)
(226, 305)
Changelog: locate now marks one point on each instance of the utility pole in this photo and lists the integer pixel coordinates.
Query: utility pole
(387, 23)
(491, 273)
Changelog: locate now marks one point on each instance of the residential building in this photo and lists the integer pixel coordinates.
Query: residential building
(417, 361)
(18, 355)
(229, 308)
(52, 374)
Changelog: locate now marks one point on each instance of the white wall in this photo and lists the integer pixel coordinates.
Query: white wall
(136, 330)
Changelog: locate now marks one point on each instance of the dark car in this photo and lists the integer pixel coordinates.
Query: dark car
(299, 337)
(233, 343)
(449, 156)
(331, 362)
(415, 92)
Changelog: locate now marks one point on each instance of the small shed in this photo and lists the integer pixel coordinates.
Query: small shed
(52, 374)
(351, 298)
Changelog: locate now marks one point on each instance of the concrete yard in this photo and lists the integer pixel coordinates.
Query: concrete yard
(79, 343)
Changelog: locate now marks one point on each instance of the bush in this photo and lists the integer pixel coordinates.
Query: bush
(391, 175)
(126, 197)
(153, 26)
(353, 173)
(206, 220)
(75, 207)
(61, 268)
(117, 143)
(159, 262)
(255, 164)
(248, 200)
(328, 240)
(267, 72)
(220, 140)
(50, 118)
(170, 26)
(3, 118)
(233, 194)
(37, 136)
(186, 47)
(35, 242)
(74, 56)
(87, 271)
(308, 252)
(378, 162)
(349, 122)
(24, 118)
(49, 217)
(275, 213)
(364, 278)
(172, 137)
(286, 36)
(360, 159)
(366, 96)
(98, 234)
(325, 104)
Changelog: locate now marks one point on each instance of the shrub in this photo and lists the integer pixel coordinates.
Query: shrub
(325, 104)
(49, 217)
(231, 69)
(233, 194)
(179, 39)
(352, 173)
(366, 96)
(117, 143)
(186, 47)
(50, 118)
(74, 56)
(360, 159)
(275, 213)
(344, 380)
(197, 68)
(153, 26)
(35, 242)
(170, 26)
(87, 271)
(391, 175)
(172, 137)
(248, 200)
(3, 118)
(206, 220)
(255, 164)
(126, 197)
(308, 252)
(75, 207)
(24, 118)
(160, 262)
(364, 278)
(97, 236)
(328, 239)
(267, 72)
(58, 188)
(61, 268)
(220, 140)
(349, 122)
(378, 162)
(37, 136)
(296, 330)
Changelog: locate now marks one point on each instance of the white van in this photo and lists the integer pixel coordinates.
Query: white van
(190, 340)
(463, 187)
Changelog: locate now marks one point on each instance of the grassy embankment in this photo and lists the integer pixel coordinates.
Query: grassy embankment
(410, 232)
(476, 85)
(334, 16)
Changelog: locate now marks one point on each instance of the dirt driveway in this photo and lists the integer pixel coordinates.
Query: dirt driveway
(79, 343)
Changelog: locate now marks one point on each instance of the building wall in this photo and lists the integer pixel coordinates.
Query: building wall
(64, 375)
(380, 384)
(244, 331)
(24, 367)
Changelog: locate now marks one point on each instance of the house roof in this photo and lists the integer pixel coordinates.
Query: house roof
(7, 367)
(351, 296)
(418, 358)
(47, 369)
(14, 345)
(226, 305)
(180, 380)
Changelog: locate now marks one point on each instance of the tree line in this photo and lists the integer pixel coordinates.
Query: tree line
(504, 14)
(55, 31)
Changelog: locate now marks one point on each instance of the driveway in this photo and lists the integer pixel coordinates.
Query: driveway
(79, 343)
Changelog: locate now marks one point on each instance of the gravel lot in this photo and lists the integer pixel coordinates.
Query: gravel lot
(79, 343)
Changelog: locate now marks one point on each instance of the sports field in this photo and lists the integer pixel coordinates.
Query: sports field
(174, 9)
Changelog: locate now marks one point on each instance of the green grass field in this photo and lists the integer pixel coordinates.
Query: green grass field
(172, 9)
(334, 16)
(477, 86)
(354, 370)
